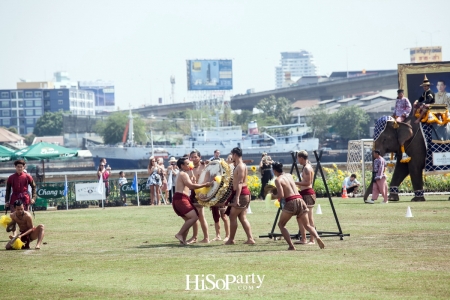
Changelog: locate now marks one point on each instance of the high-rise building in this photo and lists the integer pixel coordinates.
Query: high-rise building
(294, 64)
(103, 94)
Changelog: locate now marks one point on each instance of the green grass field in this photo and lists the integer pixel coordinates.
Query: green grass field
(131, 253)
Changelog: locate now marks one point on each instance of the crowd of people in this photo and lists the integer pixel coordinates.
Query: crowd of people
(180, 180)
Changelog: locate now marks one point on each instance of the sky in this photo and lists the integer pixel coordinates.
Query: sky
(140, 44)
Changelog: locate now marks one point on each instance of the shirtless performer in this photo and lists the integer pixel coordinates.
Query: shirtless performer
(196, 158)
(239, 199)
(27, 232)
(181, 203)
(294, 206)
(307, 192)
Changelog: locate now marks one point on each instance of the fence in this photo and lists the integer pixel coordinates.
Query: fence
(114, 198)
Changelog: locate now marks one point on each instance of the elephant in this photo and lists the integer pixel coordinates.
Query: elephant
(405, 133)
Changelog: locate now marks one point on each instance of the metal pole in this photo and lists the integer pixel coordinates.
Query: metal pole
(137, 188)
(363, 167)
(151, 139)
(66, 184)
(346, 52)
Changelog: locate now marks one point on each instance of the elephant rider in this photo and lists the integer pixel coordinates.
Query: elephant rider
(422, 105)
(402, 107)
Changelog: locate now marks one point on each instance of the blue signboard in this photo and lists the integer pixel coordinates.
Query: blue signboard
(209, 75)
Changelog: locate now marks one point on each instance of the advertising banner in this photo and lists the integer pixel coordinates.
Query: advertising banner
(426, 54)
(50, 192)
(209, 75)
(2, 195)
(87, 191)
(127, 188)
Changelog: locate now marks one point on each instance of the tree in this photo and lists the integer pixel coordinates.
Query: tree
(351, 122)
(319, 121)
(247, 116)
(50, 123)
(12, 129)
(113, 127)
(279, 108)
(29, 139)
(164, 126)
(243, 118)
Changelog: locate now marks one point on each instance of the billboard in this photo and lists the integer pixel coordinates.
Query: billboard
(103, 93)
(209, 75)
(425, 54)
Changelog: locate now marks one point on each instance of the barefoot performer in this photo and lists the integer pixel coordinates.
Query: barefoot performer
(239, 199)
(181, 203)
(27, 232)
(196, 158)
(218, 212)
(307, 192)
(294, 206)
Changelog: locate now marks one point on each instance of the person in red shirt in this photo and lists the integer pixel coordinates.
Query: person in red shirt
(17, 187)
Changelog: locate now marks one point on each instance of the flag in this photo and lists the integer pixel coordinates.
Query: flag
(100, 186)
(134, 184)
(66, 187)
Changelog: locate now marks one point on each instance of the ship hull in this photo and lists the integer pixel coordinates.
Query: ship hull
(251, 158)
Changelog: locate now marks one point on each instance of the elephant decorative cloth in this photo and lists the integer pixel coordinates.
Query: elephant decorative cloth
(380, 126)
(437, 160)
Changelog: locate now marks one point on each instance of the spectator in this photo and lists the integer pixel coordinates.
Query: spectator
(172, 172)
(351, 185)
(265, 166)
(122, 181)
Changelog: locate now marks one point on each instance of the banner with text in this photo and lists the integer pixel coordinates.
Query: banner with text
(2, 195)
(127, 188)
(87, 191)
(50, 192)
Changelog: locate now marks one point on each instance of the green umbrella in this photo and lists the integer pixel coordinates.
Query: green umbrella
(44, 150)
(6, 153)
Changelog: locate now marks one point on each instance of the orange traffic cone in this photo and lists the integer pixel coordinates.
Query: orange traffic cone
(344, 193)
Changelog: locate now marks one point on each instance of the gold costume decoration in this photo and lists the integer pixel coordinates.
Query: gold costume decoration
(405, 157)
(221, 173)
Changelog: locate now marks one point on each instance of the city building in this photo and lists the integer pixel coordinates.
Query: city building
(103, 90)
(103, 94)
(22, 108)
(294, 64)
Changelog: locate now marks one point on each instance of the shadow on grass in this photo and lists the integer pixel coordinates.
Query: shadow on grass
(175, 245)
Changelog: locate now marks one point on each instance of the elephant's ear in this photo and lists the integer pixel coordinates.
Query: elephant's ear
(404, 133)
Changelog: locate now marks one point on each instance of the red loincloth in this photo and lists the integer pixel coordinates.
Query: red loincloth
(309, 195)
(308, 191)
(244, 192)
(293, 197)
(182, 205)
(26, 239)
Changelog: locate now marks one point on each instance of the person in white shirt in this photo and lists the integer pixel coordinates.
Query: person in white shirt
(351, 185)
(122, 181)
(216, 155)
